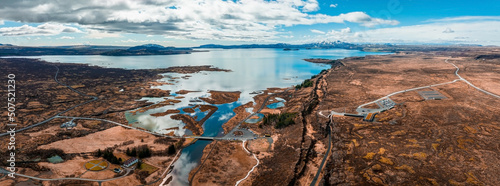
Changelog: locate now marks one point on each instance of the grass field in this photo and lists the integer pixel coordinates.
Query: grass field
(149, 168)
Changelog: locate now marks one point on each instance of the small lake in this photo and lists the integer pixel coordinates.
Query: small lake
(55, 159)
(252, 70)
(276, 105)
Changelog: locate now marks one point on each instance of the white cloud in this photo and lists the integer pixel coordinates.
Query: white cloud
(140, 41)
(448, 30)
(66, 37)
(243, 20)
(333, 32)
(2, 22)
(480, 31)
(333, 5)
(342, 32)
(355, 17)
(317, 31)
(346, 30)
(310, 6)
(99, 34)
(466, 18)
(43, 29)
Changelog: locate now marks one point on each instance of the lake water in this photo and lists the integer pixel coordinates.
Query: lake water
(252, 70)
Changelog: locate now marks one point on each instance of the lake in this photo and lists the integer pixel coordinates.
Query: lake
(252, 70)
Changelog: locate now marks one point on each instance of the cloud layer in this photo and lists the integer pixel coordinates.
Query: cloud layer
(43, 29)
(254, 20)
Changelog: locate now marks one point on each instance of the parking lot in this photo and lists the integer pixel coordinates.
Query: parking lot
(431, 95)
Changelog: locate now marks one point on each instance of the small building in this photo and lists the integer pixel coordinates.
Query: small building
(353, 115)
(369, 117)
(130, 162)
(69, 125)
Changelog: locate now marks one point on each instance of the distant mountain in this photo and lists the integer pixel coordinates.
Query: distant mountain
(97, 47)
(278, 45)
(38, 51)
(318, 45)
(331, 44)
(143, 52)
(149, 49)
(155, 47)
(5, 44)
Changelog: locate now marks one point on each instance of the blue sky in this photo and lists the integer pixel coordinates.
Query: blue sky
(195, 22)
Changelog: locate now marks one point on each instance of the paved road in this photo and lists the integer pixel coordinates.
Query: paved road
(474, 86)
(71, 88)
(407, 90)
(320, 168)
(460, 78)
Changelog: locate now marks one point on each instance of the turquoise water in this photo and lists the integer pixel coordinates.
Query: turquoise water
(252, 70)
(276, 105)
(55, 159)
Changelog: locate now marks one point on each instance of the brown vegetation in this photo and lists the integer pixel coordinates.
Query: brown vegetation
(226, 164)
(431, 142)
(184, 91)
(220, 97)
(170, 111)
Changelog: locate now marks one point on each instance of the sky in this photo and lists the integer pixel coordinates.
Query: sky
(186, 23)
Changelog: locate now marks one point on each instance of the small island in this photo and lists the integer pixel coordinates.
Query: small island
(319, 60)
